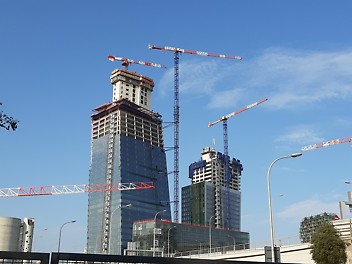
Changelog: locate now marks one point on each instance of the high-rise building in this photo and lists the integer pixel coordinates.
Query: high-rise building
(127, 146)
(209, 198)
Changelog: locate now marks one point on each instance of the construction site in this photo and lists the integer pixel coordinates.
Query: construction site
(128, 179)
(130, 209)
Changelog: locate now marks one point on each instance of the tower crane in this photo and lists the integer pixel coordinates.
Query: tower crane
(110, 159)
(176, 52)
(327, 143)
(72, 189)
(126, 62)
(227, 174)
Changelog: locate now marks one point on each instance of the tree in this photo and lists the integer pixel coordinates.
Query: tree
(7, 122)
(327, 246)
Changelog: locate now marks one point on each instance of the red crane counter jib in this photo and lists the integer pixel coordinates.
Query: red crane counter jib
(126, 62)
(195, 52)
(73, 189)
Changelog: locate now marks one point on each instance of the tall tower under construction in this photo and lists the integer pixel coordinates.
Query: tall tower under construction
(208, 201)
(127, 146)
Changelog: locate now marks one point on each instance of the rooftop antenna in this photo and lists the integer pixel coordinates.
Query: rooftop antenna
(213, 148)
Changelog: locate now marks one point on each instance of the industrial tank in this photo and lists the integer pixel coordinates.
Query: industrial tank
(10, 233)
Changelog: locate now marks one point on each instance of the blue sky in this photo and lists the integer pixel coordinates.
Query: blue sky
(54, 71)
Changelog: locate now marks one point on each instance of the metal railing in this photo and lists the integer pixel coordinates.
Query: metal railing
(70, 258)
(9, 257)
(213, 251)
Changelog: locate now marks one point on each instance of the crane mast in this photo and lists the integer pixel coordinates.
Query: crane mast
(176, 52)
(327, 143)
(227, 174)
(176, 136)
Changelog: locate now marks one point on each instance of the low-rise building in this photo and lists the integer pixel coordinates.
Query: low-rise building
(165, 238)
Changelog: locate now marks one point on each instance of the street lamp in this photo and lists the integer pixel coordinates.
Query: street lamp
(73, 221)
(295, 155)
(119, 207)
(168, 240)
(154, 230)
(210, 233)
(36, 242)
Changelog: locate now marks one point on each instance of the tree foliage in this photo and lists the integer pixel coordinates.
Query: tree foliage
(327, 246)
(7, 122)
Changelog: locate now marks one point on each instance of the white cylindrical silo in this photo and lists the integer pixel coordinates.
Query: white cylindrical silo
(9, 233)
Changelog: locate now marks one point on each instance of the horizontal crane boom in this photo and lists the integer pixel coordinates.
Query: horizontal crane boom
(201, 53)
(72, 189)
(237, 112)
(126, 62)
(327, 143)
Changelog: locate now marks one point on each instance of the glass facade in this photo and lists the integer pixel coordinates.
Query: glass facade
(198, 204)
(172, 238)
(209, 195)
(127, 147)
(133, 161)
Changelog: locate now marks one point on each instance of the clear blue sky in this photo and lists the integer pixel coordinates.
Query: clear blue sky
(54, 71)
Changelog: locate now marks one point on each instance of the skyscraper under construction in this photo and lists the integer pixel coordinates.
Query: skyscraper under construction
(127, 146)
(208, 200)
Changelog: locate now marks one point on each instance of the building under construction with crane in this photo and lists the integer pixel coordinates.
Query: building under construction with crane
(204, 201)
(127, 146)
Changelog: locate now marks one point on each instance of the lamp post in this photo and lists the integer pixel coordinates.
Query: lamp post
(36, 242)
(119, 207)
(295, 155)
(168, 240)
(154, 230)
(73, 221)
(210, 233)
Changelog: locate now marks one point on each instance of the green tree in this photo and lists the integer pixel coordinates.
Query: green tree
(7, 122)
(327, 246)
